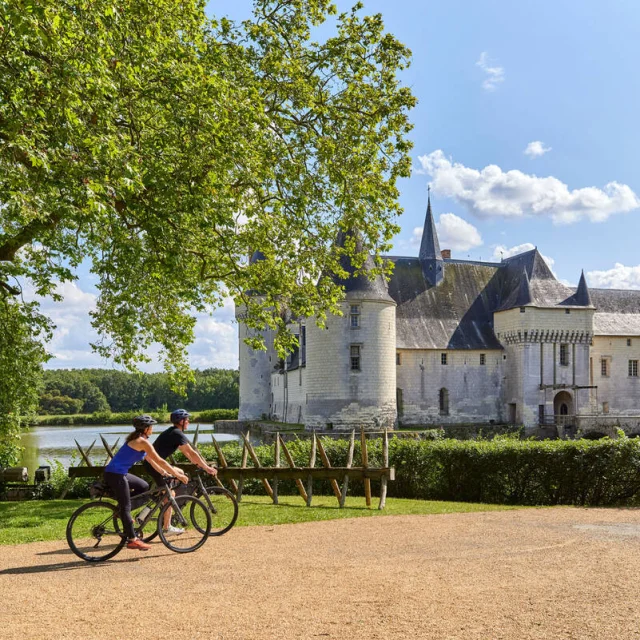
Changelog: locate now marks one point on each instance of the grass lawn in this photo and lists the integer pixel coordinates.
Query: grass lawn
(36, 520)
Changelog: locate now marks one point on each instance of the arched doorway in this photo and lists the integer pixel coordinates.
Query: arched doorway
(563, 408)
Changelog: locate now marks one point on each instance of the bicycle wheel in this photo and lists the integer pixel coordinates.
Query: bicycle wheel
(194, 518)
(224, 509)
(149, 530)
(95, 532)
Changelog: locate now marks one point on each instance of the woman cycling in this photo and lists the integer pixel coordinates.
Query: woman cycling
(124, 484)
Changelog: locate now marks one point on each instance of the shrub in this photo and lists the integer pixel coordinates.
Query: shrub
(505, 470)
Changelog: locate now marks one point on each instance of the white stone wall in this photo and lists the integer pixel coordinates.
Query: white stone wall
(474, 390)
(255, 373)
(289, 396)
(620, 390)
(533, 369)
(338, 396)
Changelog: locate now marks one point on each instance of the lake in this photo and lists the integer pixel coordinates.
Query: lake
(43, 445)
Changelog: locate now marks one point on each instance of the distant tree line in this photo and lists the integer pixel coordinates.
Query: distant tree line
(71, 391)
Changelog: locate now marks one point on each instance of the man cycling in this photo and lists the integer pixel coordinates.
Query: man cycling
(166, 444)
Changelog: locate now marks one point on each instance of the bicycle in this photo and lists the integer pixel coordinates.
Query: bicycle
(95, 532)
(221, 503)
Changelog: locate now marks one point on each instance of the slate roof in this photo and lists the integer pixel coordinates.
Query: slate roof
(360, 287)
(456, 314)
(617, 312)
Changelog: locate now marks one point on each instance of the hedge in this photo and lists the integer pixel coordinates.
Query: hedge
(504, 470)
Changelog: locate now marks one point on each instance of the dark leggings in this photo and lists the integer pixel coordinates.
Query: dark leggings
(124, 487)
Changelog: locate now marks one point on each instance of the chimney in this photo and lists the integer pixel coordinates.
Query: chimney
(446, 254)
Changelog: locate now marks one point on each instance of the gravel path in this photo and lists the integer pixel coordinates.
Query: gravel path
(535, 573)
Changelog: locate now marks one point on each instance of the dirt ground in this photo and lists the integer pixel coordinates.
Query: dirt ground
(537, 573)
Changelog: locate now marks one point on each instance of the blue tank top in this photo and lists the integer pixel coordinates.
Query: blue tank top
(124, 459)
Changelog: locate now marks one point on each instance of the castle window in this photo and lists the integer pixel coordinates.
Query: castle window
(628, 342)
(444, 402)
(567, 311)
(564, 355)
(483, 358)
(604, 367)
(540, 414)
(398, 358)
(633, 368)
(443, 358)
(355, 357)
(522, 309)
(605, 407)
(354, 321)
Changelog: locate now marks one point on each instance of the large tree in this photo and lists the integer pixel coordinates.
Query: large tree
(163, 147)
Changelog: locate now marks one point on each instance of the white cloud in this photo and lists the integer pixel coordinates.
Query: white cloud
(536, 149)
(494, 75)
(453, 233)
(215, 344)
(492, 192)
(620, 277)
(501, 252)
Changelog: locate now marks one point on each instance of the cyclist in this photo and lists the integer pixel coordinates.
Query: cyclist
(166, 444)
(124, 484)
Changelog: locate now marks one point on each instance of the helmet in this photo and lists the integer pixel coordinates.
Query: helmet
(179, 415)
(140, 423)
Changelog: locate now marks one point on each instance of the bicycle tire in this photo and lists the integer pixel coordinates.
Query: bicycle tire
(193, 511)
(225, 512)
(83, 529)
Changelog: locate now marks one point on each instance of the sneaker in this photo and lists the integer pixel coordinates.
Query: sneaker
(173, 531)
(138, 544)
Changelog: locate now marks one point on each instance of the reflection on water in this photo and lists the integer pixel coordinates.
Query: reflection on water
(43, 445)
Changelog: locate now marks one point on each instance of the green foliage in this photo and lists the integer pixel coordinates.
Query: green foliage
(211, 415)
(100, 390)
(164, 148)
(59, 405)
(22, 329)
(505, 470)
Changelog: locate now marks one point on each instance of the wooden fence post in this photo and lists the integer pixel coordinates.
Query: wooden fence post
(85, 459)
(242, 466)
(345, 482)
(365, 464)
(254, 457)
(327, 464)
(222, 461)
(312, 463)
(292, 464)
(276, 459)
(385, 464)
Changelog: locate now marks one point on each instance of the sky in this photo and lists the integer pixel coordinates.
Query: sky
(526, 129)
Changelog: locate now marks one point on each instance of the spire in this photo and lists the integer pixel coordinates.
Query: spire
(524, 292)
(429, 247)
(430, 255)
(582, 297)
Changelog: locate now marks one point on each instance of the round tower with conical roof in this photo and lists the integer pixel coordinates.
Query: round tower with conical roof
(255, 366)
(350, 365)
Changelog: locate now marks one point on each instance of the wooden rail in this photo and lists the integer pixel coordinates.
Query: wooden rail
(236, 476)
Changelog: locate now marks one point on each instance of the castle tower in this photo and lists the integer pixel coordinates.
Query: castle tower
(430, 255)
(351, 370)
(255, 367)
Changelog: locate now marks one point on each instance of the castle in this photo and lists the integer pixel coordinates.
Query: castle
(447, 341)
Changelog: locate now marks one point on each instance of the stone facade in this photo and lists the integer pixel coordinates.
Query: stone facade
(448, 341)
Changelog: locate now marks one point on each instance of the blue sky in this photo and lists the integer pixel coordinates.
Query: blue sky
(526, 128)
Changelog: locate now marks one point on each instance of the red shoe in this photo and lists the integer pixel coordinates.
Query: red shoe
(138, 544)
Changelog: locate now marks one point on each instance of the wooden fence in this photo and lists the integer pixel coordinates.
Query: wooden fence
(283, 469)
